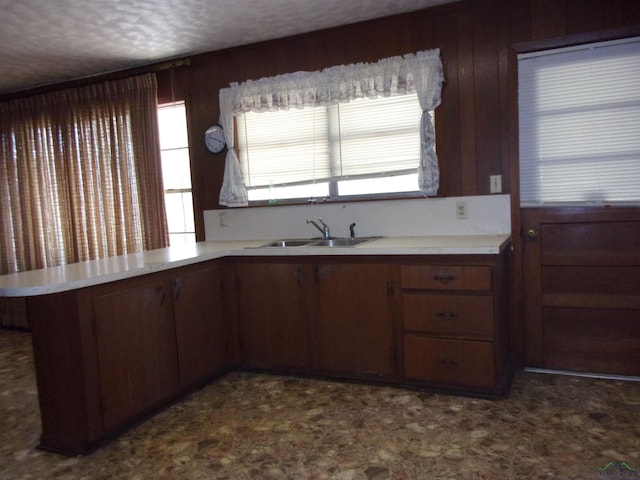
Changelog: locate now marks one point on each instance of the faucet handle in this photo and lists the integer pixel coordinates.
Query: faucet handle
(326, 233)
(324, 230)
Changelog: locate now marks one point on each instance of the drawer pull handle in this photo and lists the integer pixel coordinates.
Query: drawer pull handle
(446, 314)
(447, 362)
(444, 278)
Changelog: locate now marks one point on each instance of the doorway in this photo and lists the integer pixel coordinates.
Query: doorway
(579, 196)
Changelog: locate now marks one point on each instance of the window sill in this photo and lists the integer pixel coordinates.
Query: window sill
(344, 199)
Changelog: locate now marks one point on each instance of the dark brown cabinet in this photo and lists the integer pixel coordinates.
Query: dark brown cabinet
(203, 326)
(328, 318)
(273, 325)
(353, 331)
(454, 326)
(110, 354)
(137, 356)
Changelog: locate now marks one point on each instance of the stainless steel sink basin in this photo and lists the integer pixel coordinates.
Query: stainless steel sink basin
(342, 242)
(315, 242)
(288, 243)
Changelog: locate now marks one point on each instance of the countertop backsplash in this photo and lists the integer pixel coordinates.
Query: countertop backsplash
(486, 215)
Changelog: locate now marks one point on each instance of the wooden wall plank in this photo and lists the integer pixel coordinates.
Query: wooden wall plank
(584, 15)
(487, 94)
(446, 116)
(467, 98)
(619, 13)
(547, 18)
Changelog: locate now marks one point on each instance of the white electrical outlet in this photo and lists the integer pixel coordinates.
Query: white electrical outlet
(223, 219)
(461, 210)
(495, 183)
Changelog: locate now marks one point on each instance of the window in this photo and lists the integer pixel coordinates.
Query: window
(327, 134)
(580, 124)
(176, 173)
(363, 147)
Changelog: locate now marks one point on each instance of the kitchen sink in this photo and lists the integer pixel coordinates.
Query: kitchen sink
(316, 242)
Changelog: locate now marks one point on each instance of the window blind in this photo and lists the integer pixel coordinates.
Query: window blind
(579, 126)
(284, 147)
(378, 137)
(362, 138)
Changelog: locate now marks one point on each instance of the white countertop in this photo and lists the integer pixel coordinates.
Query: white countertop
(95, 272)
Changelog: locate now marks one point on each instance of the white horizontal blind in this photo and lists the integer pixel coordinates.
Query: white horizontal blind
(378, 137)
(580, 124)
(363, 138)
(284, 147)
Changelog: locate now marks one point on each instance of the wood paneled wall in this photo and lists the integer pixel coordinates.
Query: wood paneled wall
(476, 123)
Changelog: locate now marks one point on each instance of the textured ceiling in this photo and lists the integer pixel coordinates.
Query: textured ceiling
(50, 41)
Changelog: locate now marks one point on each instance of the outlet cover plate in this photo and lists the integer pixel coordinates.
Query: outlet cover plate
(461, 210)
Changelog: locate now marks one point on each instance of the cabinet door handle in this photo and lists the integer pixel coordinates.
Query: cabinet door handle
(446, 314)
(159, 290)
(96, 325)
(177, 287)
(447, 362)
(299, 276)
(391, 288)
(444, 277)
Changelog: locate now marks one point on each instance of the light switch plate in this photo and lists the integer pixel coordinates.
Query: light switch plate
(495, 183)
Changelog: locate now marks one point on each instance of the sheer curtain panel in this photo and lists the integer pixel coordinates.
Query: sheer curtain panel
(80, 175)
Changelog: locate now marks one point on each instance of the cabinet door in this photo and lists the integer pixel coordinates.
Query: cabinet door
(201, 324)
(136, 351)
(273, 325)
(354, 331)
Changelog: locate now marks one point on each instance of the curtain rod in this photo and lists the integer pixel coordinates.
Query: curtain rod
(158, 67)
(101, 77)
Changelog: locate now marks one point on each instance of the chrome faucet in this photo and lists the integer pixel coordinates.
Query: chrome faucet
(324, 229)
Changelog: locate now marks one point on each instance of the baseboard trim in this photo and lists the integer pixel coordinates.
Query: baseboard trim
(626, 378)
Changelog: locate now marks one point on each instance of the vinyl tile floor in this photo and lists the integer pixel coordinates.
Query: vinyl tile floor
(255, 426)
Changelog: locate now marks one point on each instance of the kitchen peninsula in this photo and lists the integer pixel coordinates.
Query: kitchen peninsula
(119, 338)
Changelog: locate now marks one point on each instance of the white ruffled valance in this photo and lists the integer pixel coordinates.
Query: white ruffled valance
(419, 73)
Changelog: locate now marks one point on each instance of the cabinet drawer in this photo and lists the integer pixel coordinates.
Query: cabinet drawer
(450, 362)
(445, 277)
(460, 316)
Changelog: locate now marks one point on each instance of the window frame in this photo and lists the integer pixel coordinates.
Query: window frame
(190, 235)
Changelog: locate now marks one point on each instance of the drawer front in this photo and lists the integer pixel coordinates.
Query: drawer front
(445, 277)
(457, 363)
(460, 316)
